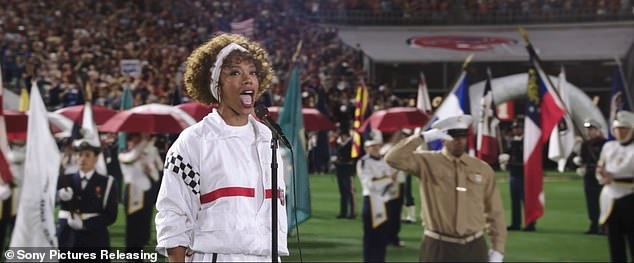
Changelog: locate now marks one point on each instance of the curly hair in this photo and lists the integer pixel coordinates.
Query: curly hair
(197, 76)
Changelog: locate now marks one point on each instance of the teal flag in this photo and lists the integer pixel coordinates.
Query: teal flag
(126, 103)
(292, 122)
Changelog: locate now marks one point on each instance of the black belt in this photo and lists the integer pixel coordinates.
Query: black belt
(624, 180)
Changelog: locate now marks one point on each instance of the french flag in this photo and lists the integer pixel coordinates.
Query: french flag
(543, 113)
(455, 104)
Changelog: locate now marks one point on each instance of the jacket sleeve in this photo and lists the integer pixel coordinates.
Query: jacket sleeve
(109, 214)
(179, 195)
(495, 213)
(364, 174)
(401, 155)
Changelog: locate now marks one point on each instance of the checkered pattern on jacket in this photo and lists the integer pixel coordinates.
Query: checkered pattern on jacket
(176, 165)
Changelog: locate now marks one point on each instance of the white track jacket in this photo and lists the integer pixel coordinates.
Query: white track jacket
(215, 196)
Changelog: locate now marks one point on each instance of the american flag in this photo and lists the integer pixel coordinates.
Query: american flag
(245, 27)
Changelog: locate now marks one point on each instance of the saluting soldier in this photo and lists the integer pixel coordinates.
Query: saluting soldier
(615, 171)
(88, 203)
(459, 198)
(140, 166)
(377, 179)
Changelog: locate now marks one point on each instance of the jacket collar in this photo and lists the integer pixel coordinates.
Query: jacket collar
(451, 158)
(219, 127)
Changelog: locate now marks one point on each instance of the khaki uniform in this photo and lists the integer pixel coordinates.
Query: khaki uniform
(458, 195)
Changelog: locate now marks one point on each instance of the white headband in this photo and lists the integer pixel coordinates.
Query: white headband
(215, 71)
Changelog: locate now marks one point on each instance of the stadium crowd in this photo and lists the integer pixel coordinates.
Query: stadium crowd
(441, 9)
(66, 45)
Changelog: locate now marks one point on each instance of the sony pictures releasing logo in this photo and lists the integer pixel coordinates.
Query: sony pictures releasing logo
(460, 43)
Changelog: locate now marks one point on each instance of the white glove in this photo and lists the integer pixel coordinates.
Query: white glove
(75, 222)
(495, 256)
(65, 194)
(5, 191)
(504, 158)
(577, 161)
(435, 134)
(581, 171)
(503, 166)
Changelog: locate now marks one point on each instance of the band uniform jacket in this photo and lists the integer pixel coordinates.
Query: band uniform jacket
(96, 204)
(458, 195)
(618, 160)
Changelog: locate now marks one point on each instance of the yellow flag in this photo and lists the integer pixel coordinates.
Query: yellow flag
(24, 100)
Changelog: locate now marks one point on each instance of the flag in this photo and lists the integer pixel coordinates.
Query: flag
(422, 99)
(562, 138)
(543, 113)
(24, 100)
(5, 169)
(456, 103)
(90, 133)
(360, 110)
(292, 123)
(126, 103)
(245, 27)
(487, 146)
(620, 98)
(34, 225)
(505, 111)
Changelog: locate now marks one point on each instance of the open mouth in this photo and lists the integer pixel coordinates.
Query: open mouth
(246, 98)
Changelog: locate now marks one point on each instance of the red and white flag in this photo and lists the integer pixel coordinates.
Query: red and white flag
(5, 169)
(487, 146)
(245, 28)
(543, 113)
(562, 138)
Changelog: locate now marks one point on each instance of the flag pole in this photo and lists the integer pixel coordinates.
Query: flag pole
(531, 51)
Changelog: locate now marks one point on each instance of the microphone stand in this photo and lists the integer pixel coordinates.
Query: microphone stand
(274, 145)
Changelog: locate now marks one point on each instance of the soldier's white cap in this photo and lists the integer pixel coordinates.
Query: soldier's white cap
(83, 144)
(623, 119)
(591, 123)
(455, 126)
(376, 137)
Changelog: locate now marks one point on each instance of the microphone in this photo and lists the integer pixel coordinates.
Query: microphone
(263, 114)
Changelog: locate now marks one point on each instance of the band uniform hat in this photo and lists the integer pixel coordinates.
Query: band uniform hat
(455, 126)
(376, 137)
(83, 145)
(623, 119)
(591, 123)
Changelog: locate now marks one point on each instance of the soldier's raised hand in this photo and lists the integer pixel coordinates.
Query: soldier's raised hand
(435, 134)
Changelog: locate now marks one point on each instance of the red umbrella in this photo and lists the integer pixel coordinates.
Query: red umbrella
(313, 119)
(395, 119)
(196, 109)
(17, 124)
(76, 113)
(143, 122)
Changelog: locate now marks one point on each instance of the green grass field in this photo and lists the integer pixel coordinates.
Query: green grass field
(559, 235)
